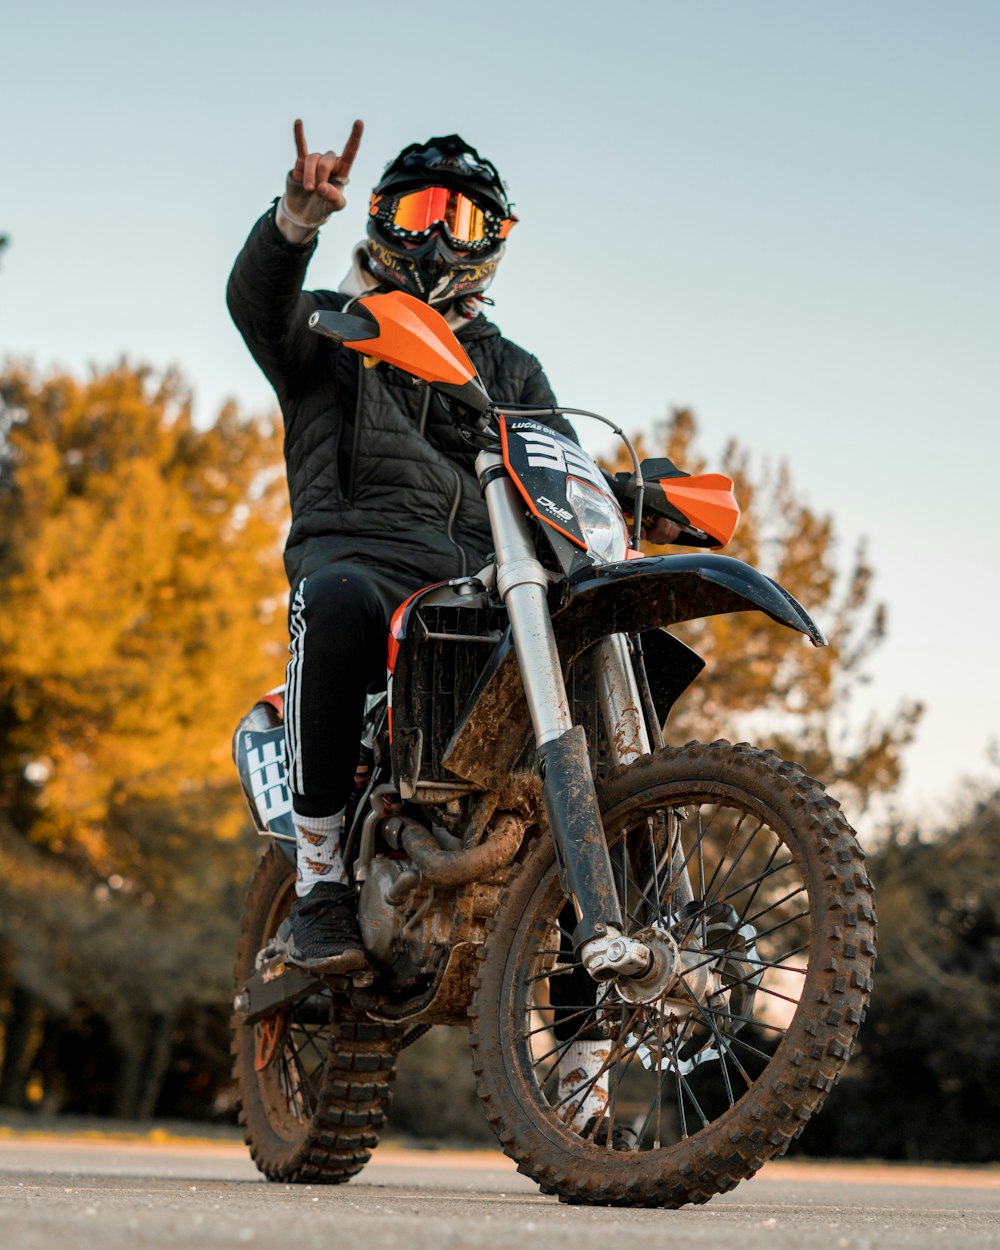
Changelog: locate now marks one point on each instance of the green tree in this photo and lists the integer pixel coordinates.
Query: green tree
(925, 1082)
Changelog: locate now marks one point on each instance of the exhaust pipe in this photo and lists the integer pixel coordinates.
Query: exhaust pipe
(458, 867)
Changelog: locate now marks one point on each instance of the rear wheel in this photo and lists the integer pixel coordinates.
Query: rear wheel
(716, 1061)
(313, 1084)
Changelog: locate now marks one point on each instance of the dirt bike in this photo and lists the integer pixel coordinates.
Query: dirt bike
(533, 860)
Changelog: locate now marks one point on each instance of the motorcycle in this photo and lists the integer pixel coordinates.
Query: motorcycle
(534, 860)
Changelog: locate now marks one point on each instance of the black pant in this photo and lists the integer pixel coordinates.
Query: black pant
(338, 623)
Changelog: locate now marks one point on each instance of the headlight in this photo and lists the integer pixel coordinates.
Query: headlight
(600, 520)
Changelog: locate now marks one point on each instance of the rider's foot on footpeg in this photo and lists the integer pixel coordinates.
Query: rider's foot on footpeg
(321, 932)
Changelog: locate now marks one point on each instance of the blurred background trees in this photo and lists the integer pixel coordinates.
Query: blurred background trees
(763, 683)
(925, 1082)
(143, 605)
(142, 610)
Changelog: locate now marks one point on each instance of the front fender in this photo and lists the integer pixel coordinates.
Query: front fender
(628, 598)
(636, 595)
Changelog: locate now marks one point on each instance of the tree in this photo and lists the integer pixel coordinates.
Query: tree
(925, 1083)
(9, 417)
(760, 681)
(143, 595)
(141, 579)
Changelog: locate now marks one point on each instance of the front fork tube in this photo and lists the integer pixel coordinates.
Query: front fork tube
(564, 762)
(619, 699)
(621, 705)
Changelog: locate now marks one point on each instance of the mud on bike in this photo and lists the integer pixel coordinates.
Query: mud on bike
(536, 861)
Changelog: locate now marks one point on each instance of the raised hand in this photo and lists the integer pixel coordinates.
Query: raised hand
(315, 185)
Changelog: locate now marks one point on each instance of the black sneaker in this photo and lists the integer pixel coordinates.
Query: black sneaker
(622, 1137)
(321, 932)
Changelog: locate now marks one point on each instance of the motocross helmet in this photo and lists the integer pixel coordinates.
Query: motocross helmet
(437, 221)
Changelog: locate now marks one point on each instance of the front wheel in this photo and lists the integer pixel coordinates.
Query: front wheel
(748, 884)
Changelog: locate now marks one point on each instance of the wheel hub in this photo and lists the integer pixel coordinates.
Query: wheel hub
(656, 980)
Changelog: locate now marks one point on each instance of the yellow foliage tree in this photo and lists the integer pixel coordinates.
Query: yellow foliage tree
(143, 602)
(762, 682)
(141, 580)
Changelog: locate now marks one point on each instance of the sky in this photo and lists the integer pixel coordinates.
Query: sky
(781, 214)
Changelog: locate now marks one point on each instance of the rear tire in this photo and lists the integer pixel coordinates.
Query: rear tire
(313, 1083)
(714, 1085)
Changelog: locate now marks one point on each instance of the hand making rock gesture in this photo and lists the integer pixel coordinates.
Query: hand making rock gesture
(315, 186)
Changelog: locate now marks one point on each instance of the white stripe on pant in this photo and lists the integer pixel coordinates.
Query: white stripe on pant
(293, 690)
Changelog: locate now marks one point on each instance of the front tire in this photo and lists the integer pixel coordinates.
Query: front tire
(313, 1084)
(779, 923)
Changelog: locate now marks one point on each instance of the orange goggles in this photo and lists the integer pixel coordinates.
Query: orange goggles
(465, 223)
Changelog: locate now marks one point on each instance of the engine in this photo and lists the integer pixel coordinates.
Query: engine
(401, 919)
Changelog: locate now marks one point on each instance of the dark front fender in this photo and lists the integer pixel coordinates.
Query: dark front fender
(637, 595)
(627, 598)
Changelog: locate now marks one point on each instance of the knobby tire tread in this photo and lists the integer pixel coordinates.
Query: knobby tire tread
(806, 1065)
(355, 1086)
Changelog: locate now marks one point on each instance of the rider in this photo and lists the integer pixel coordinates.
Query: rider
(383, 491)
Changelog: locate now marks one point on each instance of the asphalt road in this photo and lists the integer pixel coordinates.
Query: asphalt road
(77, 1193)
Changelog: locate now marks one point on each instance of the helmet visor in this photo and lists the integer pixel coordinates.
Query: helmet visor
(416, 212)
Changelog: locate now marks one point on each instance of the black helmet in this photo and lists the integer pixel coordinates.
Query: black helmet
(437, 222)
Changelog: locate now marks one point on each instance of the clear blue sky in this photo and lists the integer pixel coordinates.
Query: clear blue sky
(786, 212)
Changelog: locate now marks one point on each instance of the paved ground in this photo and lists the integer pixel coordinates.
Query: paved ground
(79, 1192)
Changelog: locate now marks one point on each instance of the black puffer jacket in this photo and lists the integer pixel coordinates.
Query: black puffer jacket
(377, 471)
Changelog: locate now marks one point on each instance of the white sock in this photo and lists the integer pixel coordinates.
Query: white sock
(578, 1065)
(317, 840)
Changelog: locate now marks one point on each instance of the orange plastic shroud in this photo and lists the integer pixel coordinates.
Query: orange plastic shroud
(708, 502)
(416, 338)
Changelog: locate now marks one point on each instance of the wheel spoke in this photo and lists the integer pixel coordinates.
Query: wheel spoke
(588, 1084)
(561, 1046)
(669, 824)
(777, 903)
(723, 854)
(701, 856)
(684, 1084)
(659, 1087)
(697, 845)
(524, 1034)
(719, 885)
(283, 1103)
(552, 972)
(302, 1083)
(782, 924)
(707, 892)
(760, 878)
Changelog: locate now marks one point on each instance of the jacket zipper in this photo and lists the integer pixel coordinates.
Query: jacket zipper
(457, 500)
(421, 426)
(356, 440)
(424, 409)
